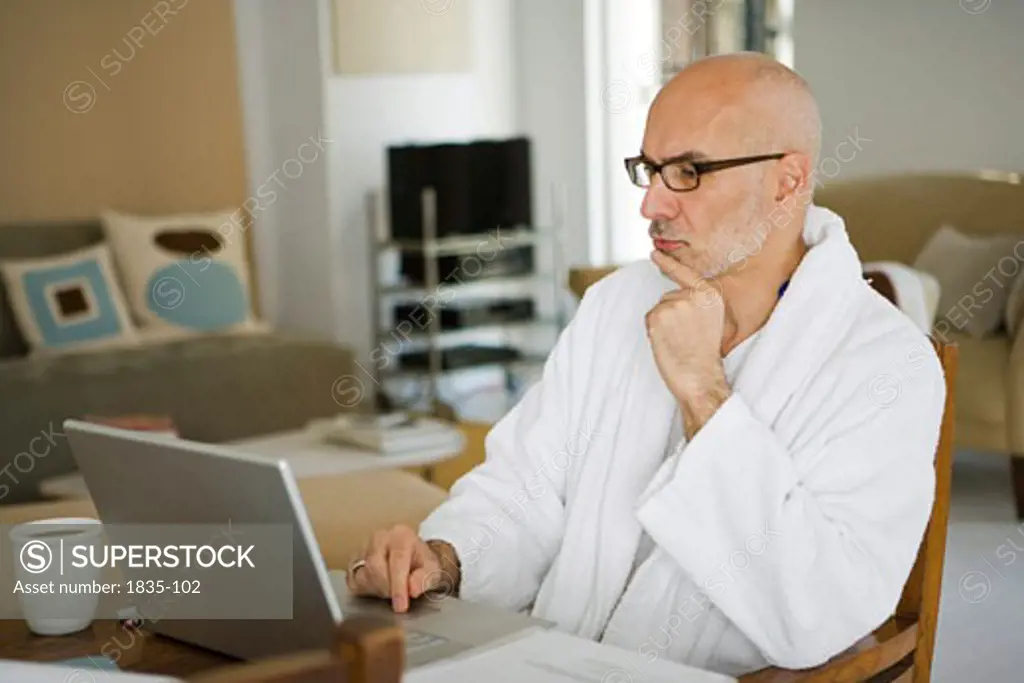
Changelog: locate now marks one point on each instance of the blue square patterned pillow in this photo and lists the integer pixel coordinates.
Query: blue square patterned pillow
(70, 302)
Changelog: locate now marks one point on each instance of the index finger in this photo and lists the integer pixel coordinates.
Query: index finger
(684, 276)
(399, 564)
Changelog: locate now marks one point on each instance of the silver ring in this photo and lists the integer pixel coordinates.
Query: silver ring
(356, 566)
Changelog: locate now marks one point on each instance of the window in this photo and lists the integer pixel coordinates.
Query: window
(633, 47)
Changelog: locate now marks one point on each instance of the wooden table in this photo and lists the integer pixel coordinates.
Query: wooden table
(147, 653)
(132, 650)
(372, 499)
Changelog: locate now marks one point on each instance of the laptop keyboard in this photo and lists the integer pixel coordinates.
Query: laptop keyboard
(417, 640)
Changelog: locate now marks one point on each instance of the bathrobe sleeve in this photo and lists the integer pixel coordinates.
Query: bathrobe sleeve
(806, 548)
(505, 518)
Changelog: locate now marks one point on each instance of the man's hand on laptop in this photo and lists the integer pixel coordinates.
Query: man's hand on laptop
(398, 564)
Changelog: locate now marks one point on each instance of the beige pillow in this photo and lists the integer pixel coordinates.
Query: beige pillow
(188, 272)
(975, 275)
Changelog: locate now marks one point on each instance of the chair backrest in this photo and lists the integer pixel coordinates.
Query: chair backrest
(366, 650)
(920, 600)
(901, 649)
(581, 278)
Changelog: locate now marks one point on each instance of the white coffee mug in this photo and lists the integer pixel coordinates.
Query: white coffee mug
(49, 604)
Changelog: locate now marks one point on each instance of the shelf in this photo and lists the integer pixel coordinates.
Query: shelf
(424, 334)
(459, 245)
(480, 283)
(445, 263)
(524, 362)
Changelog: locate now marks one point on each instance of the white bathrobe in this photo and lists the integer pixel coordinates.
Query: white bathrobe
(782, 533)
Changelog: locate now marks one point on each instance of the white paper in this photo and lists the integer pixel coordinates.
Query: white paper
(28, 672)
(555, 657)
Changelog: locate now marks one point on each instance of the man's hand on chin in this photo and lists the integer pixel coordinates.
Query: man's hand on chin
(686, 329)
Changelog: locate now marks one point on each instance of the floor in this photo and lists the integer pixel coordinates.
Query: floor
(981, 618)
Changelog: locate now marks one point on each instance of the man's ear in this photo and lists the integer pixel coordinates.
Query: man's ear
(794, 177)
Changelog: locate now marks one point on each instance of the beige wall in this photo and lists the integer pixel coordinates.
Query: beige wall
(131, 104)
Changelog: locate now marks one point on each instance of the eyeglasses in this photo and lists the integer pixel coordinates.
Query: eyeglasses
(683, 175)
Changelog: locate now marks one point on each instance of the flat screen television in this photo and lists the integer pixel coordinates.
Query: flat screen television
(480, 186)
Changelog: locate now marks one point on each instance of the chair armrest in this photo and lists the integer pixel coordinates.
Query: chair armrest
(868, 658)
(366, 649)
(1015, 394)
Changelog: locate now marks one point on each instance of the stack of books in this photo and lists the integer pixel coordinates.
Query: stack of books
(392, 433)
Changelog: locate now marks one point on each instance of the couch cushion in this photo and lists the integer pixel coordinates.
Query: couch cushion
(344, 510)
(981, 380)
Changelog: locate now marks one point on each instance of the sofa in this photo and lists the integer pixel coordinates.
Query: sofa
(891, 218)
(215, 388)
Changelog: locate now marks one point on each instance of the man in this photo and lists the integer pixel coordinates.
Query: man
(728, 459)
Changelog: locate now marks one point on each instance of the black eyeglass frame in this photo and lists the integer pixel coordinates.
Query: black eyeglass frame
(700, 167)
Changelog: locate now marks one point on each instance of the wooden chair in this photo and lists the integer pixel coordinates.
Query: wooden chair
(901, 649)
(366, 650)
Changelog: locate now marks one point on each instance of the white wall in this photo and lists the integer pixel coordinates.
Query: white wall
(551, 107)
(366, 114)
(283, 106)
(931, 85)
(313, 238)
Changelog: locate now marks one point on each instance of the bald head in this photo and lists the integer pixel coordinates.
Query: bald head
(750, 97)
(744, 108)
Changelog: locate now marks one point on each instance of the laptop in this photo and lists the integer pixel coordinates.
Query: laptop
(141, 478)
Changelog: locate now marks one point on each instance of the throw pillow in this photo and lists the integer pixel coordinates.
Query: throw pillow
(186, 271)
(70, 302)
(974, 274)
(914, 292)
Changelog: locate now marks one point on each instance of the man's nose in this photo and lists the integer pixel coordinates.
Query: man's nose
(660, 203)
